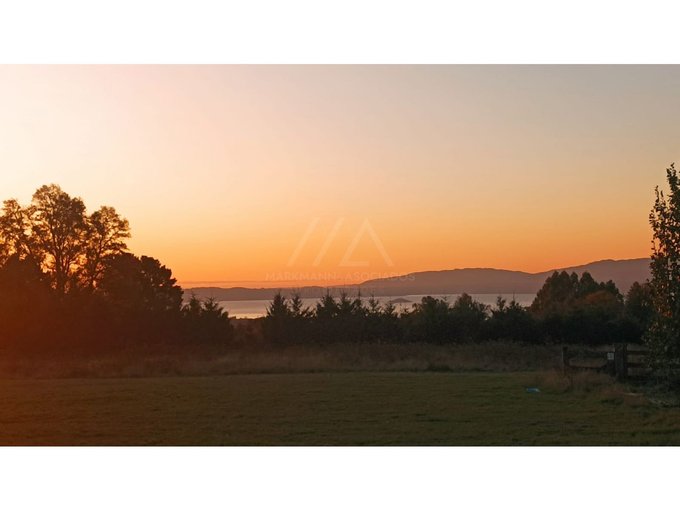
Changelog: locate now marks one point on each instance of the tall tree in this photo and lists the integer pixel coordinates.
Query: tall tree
(55, 233)
(59, 226)
(15, 230)
(663, 335)
(141, 284)
(105, 237)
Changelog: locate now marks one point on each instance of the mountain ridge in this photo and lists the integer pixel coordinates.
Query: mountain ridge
(448, 281)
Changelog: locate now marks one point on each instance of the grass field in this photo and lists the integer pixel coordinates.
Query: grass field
(325, 409)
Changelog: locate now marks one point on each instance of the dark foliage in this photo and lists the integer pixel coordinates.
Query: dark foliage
(206, 322)
(512, 321)
(69, 286)
(568, 308)
(580, 310)
(663, 335)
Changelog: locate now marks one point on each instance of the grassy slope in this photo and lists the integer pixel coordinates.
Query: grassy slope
(323, 409)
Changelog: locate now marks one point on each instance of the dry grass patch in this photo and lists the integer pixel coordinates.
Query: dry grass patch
(485, 357)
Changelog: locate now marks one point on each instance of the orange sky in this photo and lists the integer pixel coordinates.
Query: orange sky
(319, 174)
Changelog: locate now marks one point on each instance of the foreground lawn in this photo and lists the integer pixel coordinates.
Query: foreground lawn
(323, 409)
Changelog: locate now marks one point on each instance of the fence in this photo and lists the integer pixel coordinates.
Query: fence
(621, 360)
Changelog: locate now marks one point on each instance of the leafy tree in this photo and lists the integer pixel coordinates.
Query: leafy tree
(511, 321)
(144, 298)
(578, 310)
(557, 293)
(562, 291)
(15, 229)
(639, 311)
(58, 228)
(663, 336)
(140, 283)
(467, 318)
(67, 282)
(56, 234)
(429, 321)
(105, 237)
(595, 318)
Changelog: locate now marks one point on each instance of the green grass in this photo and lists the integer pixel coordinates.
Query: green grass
(324, 409)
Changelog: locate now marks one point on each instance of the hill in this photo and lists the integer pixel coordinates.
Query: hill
(452, 281)
(491, 281)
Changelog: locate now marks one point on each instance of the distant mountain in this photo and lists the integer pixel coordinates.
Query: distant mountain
(492, 281)
(452, 281)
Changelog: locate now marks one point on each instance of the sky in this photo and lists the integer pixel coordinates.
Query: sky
(289, 175)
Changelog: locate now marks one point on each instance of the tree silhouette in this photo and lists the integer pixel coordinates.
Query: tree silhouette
(277, 323)
(67, 283)
(663, 335)
(58, 229)
(140, 283)
(205, 322)
(15, 228)
(511, 321)
(105, 238)
(467, 318)
(640, 306)
(26, 305)
(55, 233)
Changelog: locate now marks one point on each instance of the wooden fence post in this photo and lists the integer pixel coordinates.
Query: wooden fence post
(611, 365)
(620, 361)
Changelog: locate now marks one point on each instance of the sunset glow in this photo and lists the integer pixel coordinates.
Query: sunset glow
(294, 175)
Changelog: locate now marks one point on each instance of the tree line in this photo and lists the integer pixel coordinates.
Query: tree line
(567, 309)
(69, 283)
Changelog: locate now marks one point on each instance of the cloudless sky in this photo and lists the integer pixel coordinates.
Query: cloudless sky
(323, 174)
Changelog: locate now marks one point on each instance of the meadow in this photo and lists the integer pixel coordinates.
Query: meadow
(333, 408)
(259, 358)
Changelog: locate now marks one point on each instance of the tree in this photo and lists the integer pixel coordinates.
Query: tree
(105, 238)
(143, 298)
(55, 233)
(206, 322)
(562, 292)
(639, 311)
(467, 318)
(557, 293)
(429, 321)
(281, 324)
(663, 336)
(381, 322)
(67, 283)
(579, 310)
(326, 308)
(140, 283)
(58, 228)
(511, 321)
(15, 229)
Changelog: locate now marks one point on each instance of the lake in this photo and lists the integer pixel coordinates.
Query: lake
(258, 308)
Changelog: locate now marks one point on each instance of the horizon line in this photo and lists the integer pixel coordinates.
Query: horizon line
(312, 284)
